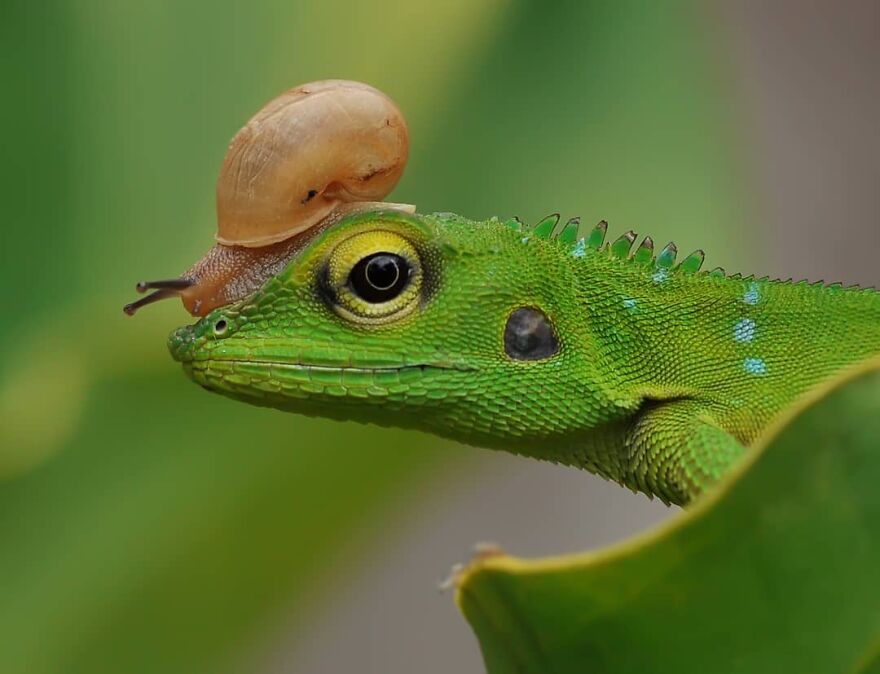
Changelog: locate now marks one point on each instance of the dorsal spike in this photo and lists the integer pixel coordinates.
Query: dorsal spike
(666, 258)
(514, 223)
(620, 248)
(569, 232)
(596, 239)
(546, 226)
(718, 272)
(645, 252)
(692, 263)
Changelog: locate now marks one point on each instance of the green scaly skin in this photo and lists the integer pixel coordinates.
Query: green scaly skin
(663, 375)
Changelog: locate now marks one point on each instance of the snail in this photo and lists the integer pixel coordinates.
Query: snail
(307, 157)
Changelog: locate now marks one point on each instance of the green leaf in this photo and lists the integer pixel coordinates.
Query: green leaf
(778, 569)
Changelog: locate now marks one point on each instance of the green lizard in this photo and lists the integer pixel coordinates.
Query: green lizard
(543, 341)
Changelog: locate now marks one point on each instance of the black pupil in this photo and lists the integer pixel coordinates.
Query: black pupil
(379, 277)
(382, 272)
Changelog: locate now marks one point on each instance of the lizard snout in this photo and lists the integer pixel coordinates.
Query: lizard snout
(180, 343)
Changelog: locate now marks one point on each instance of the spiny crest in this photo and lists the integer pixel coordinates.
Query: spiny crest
(622, 247)
(644, 255)
(580, 238)
(569, 233)
(596, 239)
(545, 228)
(514, 223)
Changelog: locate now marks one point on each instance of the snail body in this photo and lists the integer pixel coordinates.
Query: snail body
(318, 150)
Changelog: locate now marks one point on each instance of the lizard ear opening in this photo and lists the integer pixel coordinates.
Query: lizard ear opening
(529, 335)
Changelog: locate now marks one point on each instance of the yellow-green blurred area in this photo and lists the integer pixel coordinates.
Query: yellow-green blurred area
(148, 526)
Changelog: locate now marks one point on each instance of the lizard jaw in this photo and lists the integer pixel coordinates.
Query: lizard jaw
(324, 390)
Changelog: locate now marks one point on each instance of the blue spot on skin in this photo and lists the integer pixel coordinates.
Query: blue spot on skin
(755, 366)
(629, 303)
(751, 296)
(660, 275)
(525, 239)
(580, 248)
(744, 331)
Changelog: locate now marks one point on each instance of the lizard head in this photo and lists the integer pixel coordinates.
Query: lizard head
(417, 321)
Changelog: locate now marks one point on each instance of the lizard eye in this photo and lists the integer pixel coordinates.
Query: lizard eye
(373, 277)
(379, 277)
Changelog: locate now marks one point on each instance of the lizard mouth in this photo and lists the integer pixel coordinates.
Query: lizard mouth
(183, 346)
(268, 379)
(308, 371)
(239, 363)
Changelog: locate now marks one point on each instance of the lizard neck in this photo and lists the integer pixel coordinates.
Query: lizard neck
(749, 346)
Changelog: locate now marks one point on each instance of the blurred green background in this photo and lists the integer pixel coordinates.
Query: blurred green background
(147, 526)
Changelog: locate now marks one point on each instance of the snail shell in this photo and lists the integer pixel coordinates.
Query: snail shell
(305, 153)
(316, 151)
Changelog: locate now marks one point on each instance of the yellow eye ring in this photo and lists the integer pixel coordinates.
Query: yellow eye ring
(374, 277)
